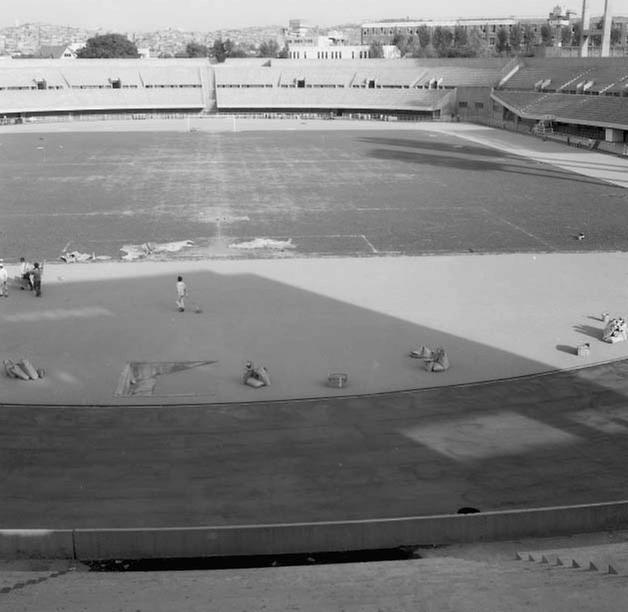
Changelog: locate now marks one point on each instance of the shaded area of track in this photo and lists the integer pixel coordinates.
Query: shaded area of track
(537, 441)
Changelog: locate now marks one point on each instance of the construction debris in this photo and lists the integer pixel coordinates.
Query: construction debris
(264, 243)
(255, 376)
(139, 251)
(583, 350)
(615, 331)
(338, 380)
(22, 370)
(435, 359)
(78, 257)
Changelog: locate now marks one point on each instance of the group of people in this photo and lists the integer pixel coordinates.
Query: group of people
(30, 276)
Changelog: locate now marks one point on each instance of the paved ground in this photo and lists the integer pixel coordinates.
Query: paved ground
(497, 316)
(403, 454)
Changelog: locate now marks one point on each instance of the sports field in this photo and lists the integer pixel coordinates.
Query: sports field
(331, 192)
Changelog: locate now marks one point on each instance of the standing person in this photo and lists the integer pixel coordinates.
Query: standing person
(25, 271)
(182, 291)
(37, 279)
(4, 277)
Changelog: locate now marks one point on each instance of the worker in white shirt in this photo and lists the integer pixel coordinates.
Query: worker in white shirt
(4, 277)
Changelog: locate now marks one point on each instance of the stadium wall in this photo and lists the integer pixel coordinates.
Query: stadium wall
(291, 538)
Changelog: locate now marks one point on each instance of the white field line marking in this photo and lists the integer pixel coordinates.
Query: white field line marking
(515, 226)
(369, 243)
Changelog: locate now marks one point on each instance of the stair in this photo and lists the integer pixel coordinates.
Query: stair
(607, 559)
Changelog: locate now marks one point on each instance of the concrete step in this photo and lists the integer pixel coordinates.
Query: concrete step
(604, 558)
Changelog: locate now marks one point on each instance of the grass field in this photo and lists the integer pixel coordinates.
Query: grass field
(357, 192)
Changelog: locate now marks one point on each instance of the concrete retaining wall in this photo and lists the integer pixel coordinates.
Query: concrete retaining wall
(312, 537)
(36, 544)
(350, 535)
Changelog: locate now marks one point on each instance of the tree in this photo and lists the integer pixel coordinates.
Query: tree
(616, 35)
(441, 40)
(376, 49)
(502, 44)
(284, 53)
(461, 39)
(413, 46)
(516, 38)
(529, 39)
(219, 50)
(565, 36)
(108, 46)
(269, 48)
(425, 36)
(401, 41)
(194, 49)
(547, 36)
(478, 45)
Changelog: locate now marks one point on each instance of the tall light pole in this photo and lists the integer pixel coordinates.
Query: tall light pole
(606, 34)
(585, 29)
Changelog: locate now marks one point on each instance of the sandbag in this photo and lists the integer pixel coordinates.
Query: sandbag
(27, 366)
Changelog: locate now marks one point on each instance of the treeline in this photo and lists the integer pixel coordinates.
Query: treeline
(462, 42)
(119, 46)
(222, 49)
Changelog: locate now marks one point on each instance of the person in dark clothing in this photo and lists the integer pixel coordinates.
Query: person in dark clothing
(37, 270)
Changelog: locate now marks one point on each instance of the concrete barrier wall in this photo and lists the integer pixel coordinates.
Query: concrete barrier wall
(310, 537)
(350, 535)
(36, 543)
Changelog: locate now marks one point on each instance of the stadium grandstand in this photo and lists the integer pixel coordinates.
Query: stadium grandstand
(585, 97)
(32, 89)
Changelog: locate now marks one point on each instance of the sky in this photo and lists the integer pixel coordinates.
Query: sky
(207, 15)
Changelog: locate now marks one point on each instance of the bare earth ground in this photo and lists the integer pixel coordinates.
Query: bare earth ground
(428, 188)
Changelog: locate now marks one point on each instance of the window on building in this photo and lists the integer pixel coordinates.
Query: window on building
(463, 104)
(479, 105)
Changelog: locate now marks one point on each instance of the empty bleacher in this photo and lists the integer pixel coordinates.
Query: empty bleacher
(401, 78)
(332, 76)
(174, 76)
(50, 86)
(568, 75)
(567, 108)
(387, 85)
(246, 76)
(76, 100)
(229, 99)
